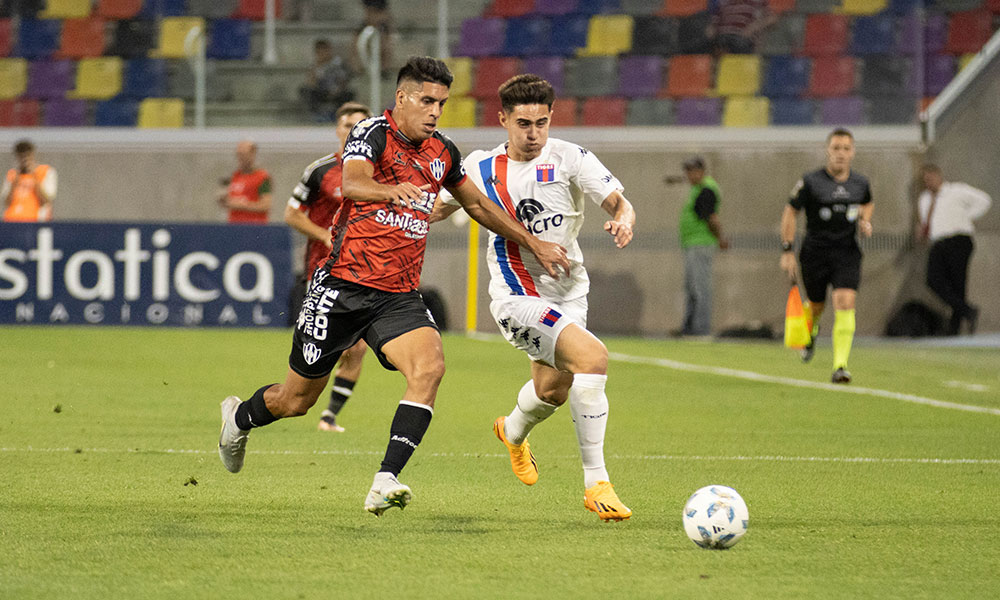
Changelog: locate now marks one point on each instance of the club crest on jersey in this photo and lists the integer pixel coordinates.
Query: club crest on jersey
(545, 173)
(437, 168)
(550, 317)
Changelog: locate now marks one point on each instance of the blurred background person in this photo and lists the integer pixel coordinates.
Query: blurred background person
(327, 84)
(737, 24)
(29, 188)
(247, 192)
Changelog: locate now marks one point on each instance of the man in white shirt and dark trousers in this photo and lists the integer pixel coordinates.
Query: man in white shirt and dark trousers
(947, 210)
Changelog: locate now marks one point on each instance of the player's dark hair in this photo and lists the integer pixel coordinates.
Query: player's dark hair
(422, 69)
(526, 89)
(349, 108)
(23, 146)
(839, 132)
(929, 168)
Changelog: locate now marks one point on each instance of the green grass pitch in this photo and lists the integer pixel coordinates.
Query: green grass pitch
(111, 487)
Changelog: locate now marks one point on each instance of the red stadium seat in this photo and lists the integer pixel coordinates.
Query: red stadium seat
(682, 8)
(510, 8)
(604, 112)
(832, 76)
(688, 76)
(993, 6)
(488, 110)
(826, 35)
(118, 9)
(564, 112)
(19, 113)
(490, 73)
(780, 6)
(254, 10)
(6, 39)
(81, 38)
(968, 31)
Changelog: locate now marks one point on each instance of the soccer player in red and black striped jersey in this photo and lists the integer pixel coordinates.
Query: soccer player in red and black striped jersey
(310, 210)
(394, 167)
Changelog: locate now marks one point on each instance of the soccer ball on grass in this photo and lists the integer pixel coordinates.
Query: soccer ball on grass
(715, 517)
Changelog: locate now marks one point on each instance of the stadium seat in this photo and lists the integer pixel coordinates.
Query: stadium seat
(550, 68)
(161, 113)
(811, 7)
(173, 35)
(554, 8)
(650, 112)
(698, 111)
(116, 113)
(564, 112)
(689, 75)
(510, 8)
(65, 9)
(481, 37)
(212, 9)
(461, 69)
(826, 35)
(784, 37)
(603, 112)
(527, 36)
(50, 78)
(118, 9)
(692, 34)
(746, 111)
(13, 77)
(608, 35)
(488, 111)
(154, 9)
(889, 110)
(887, 76)
(872, 35)
(255, 10)
(738, 75)
(460, 112)
(786, 77)
(780, 7)
(491, 73)
(832, 76)
(792, 111)
(842, 111)
(939, 69)
(598, 7)
(25, 9)
(81, 38)
(37, 38)
(993, 6)
(60, 112)
(229, 39)
(98, 78)
(969, 31)
(964, 60)
(638, 8)
(6, 37)
(863, 7)
(683, 8)
(955, 6)
(592, 76)
(19, 113)
(655, 35)
(640, 76)
(133, 39)
(913, 36)
(569, 33)
(144, 78)
(904, 7)
(936, 34)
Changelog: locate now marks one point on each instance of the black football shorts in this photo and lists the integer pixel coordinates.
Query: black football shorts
(829, 266)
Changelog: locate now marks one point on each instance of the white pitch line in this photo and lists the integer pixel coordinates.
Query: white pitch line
(815, 385)
(491, 456)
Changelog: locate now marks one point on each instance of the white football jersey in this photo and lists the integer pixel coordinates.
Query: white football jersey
(547, 195)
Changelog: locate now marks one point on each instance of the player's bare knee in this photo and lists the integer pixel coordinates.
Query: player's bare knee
(427, 373)
(593, 360)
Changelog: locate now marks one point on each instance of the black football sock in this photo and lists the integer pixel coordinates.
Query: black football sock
(253, 412)
(341, 392)
(405, 433)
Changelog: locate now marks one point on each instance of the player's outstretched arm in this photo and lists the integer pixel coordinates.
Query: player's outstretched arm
(360, 186)
(789, 218)
(549, 254)
(622, 218)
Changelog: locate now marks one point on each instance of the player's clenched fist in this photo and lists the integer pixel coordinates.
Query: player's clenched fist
(622, 232)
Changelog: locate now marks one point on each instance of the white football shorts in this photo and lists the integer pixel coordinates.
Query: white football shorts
(533, 324)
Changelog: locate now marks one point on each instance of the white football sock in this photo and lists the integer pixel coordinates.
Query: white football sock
(589, 406)
(528, 412)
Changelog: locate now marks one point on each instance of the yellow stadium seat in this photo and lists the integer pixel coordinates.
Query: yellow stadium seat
(461, 68)
(746, 111)
(738, 75)
(458, 112)
(65, 9)
(13, 77)
(608, 35)
(173, 33)
(862, 7)
(98, 78)
(963, 61)
(161, 112)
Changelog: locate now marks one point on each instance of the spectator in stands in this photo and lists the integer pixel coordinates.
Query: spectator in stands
(700, 233)
(327, 83)
(29, 188)
(247, 192)
(737, 23)
(947, 210)
(377, 15)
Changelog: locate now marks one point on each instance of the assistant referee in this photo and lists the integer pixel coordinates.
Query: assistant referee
(838, 203)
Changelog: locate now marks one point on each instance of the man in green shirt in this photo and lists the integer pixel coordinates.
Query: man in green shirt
(700, 233)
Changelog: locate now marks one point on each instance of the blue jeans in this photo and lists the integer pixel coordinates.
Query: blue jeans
(698, 290)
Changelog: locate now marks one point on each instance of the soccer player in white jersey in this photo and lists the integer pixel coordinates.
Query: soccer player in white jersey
(545, 184)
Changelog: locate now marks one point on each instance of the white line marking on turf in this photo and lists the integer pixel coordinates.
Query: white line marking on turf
(490, 455)
(972, 387)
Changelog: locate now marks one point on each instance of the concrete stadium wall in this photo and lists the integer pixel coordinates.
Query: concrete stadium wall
(153, 176)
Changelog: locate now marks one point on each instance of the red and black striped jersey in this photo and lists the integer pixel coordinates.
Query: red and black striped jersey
(319, 195)
(382, 245)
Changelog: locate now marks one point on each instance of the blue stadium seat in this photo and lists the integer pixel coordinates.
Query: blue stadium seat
(164, 8)
(38, 38)
(872, 35)
(229, 39)
(116, 113)
(527, 36)
(599, 7)
(144, 78)
(568, 34)
(786, 76)
(793, 111)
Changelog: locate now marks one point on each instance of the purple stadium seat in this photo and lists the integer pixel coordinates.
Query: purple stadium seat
(555, 7)
(50, 78)
(938, 71)
(698, 111)
(935, 34)
(481, 37)
(640, 76)
(843, 111)
(549, 68)
(65, 113)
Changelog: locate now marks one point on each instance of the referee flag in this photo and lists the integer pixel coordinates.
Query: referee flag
(796, 321)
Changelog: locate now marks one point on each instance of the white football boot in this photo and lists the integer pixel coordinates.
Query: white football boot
(386, 492)
(232, 439)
